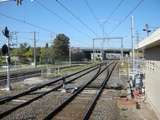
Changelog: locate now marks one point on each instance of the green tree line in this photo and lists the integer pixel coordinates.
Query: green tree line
(56, 52)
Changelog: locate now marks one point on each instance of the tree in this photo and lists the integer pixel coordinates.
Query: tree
(61, 47)
(46, 56)
(25, 53)
(24, 47)
(14, 51)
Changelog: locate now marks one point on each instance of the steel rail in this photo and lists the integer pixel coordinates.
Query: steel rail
(29, 72)
(93, 103)
(68, 100)
(9, 98)
(19, 77)
(4, 114)
(15, 73)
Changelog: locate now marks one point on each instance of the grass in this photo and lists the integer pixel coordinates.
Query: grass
(65, 71)
(26, 68)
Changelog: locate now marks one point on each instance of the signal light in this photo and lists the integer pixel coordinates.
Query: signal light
(4, 49)
(6, 32)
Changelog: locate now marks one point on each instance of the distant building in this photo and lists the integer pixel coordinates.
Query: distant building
(75, 50)
(151, 48)
(96, 56)
(108, 53)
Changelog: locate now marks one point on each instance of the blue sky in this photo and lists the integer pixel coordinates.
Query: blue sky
(33, 13)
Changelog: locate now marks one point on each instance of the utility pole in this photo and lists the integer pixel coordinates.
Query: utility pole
(8, 60)
(14, 36)
(70, 53)
(103, 40)
(137, 41)
(46, 54)
(137, 53)
(93, 51)
(51, 42)
(132, 39)
(34, 39)
(121, 49)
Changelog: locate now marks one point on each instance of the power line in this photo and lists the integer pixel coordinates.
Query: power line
(61, 18)
(125, 18)
(76, 17)
(114, 10)
(92, 12)
(25, 22)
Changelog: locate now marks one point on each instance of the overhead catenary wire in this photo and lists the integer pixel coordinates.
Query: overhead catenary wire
(25, 22)
(125, 18)
(61, 18)
(76, 17)
(114, 10)
(92, 12)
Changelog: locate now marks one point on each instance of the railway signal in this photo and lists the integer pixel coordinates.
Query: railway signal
(6, 32)
(5, 51)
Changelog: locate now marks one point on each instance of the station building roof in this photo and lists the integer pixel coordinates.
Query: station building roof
(150, 41)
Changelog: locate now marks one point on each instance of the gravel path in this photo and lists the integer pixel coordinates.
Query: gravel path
(106, 107)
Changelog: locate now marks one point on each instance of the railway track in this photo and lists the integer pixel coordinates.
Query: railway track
(10, 99)
(83, 112)
(9, 104)
(21, 75)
